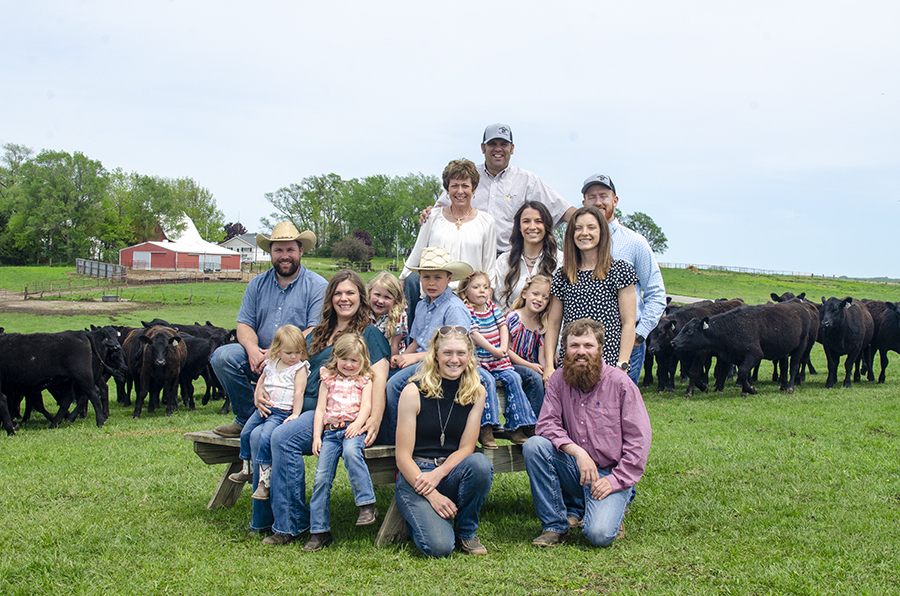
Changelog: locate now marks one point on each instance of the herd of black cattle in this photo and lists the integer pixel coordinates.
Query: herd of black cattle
(75, 366)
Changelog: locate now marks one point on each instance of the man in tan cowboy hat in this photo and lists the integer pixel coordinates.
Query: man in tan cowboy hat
(289, 293)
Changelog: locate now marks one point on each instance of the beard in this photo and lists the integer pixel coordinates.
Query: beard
(582, 375)
(286, 267)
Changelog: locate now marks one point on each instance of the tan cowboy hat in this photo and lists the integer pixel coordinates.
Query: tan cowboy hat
(436, 258)
(285, 232)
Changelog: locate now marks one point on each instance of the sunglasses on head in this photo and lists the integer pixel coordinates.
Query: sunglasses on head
(446, 329)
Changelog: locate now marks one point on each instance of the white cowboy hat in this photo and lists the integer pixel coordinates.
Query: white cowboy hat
(437, 258)
(286, 232)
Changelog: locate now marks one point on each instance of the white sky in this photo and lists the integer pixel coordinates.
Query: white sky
(762, 134)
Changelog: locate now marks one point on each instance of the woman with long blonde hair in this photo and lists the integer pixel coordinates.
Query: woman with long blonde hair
(441, 477)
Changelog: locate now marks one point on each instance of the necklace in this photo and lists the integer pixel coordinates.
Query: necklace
(445, 422)
(531, 261)
(460, 219)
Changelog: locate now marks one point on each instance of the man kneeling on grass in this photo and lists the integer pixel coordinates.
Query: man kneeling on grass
(591, 443)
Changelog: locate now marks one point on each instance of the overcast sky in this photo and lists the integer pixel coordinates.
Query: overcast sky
(763, 134)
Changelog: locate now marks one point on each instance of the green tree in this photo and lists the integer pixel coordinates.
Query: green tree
(58, 206)
(14, 156)
(197, 203)
(644, 225)
(316, 204)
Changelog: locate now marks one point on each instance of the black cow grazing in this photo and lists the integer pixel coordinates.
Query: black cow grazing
(885, 335)
(163, 357)
(745, 336)
(846, 327)
(667, 358)
(37, 360)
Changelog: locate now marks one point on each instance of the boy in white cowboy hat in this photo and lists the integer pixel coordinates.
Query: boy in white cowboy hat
(289, 293)
(440, 307)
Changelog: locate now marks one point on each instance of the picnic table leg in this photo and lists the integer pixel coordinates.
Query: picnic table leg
(228, 492)
(393, 527)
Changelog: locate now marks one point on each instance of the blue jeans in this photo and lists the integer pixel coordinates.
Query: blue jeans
(286, 511)
(232, 368)
(396, 384)
(333, 444)
(533, 385)
(552, 475)
(637, 362)
(467, 485)
(266, 427)
(518, 410)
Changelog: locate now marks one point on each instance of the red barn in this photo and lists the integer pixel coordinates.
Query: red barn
(181, 251)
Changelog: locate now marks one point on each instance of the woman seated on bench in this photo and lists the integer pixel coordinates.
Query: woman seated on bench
(441, 477)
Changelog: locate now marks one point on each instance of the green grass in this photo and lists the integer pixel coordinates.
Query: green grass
(767, 494)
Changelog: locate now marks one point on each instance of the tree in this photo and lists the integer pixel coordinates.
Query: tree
(316, 204)
(234, 229)
(58, 205)
(644, 225)
(198, 204)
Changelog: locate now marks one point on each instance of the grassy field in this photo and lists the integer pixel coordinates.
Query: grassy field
(768, 494)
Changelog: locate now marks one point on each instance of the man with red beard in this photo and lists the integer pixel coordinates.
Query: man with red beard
(288, 293)
(591, 443)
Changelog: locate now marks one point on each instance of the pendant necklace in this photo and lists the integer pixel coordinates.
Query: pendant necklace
(459, 219)
(529, 261)
(443, 424)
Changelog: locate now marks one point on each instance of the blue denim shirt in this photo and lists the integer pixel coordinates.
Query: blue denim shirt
(631, 247)
(446, 309)
(266, 306)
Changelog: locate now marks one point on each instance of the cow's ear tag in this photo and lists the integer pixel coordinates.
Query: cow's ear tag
(705, 325)
(175, 343)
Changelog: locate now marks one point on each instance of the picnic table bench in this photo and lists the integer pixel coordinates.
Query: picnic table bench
(213, 449)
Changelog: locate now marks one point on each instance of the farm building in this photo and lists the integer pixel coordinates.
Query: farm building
(180, 251)
(246, 245)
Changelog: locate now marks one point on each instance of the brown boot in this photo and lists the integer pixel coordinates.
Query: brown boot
(517, 436)
(318, 542)
(367, 515)
(486, 437)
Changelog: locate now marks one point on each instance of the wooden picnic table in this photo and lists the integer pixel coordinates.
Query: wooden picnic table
(213, 449)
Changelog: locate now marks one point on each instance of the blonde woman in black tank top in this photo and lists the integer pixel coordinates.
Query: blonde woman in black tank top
(442, 482)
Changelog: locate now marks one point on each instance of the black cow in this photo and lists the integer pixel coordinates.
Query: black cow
(745, 336)
(814, 310)
(846, 327)
(885, 335)
(37, 360)
(163, 357)
(696, 363)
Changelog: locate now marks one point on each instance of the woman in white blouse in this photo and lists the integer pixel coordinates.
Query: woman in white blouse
(468, 234)
(533, 252)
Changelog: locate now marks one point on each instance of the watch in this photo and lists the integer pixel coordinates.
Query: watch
(639, 338)
(625, 366)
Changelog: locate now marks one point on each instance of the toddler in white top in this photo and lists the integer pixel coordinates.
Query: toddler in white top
(284, 379)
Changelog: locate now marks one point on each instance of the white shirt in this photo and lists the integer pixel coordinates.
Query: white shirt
(473, 242)
(503, 194)
(525, 272)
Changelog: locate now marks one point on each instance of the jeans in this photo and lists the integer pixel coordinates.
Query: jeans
(232, 368)
(637, 362)
(333, 444)
(552, 475)
(467, 485)
(533, 385)
(412, 291)
(396, 384)
(266, 426)
(518, 410)
(286, 511)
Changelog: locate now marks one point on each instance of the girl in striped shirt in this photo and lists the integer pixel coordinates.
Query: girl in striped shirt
(491, 338)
